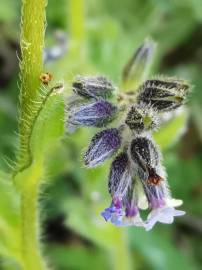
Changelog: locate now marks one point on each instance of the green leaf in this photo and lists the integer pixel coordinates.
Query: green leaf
(49, 127)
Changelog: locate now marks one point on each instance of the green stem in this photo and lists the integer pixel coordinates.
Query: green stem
(31, 256)
(120, 254)
(32, 44)
(76, 19)
(33, 21)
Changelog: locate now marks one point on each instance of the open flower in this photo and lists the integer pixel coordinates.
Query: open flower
(164, 214)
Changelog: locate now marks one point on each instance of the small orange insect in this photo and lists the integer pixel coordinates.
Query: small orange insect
(45, 78)
(154, 178)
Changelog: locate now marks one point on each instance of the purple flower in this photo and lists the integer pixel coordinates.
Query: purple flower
(114, 213)
(93, 87)
(103, 145)
(163, 95)
(96, 114)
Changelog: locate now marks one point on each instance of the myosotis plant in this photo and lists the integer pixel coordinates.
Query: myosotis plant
(137, 178)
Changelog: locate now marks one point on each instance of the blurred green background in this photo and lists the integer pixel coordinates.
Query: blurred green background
(101, 35)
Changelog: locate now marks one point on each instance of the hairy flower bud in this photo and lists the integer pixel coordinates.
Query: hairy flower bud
(103, 145)
(146, 157)
(163, 95)
(141, 119)
(96, 114)
(119, 177)
(92, 87)
(138, 66)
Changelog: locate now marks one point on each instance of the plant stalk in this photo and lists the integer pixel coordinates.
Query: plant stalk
(31, 256)
(33, 23)
(120, 254)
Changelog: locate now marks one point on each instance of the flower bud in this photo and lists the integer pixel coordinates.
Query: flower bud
(163, 95)
(119, 177)
(92, 87)
(96, 114)
(103, 145)
(145, 156)
(138, 66)
(141, 119)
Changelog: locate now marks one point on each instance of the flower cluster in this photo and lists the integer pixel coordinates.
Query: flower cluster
(137, 178)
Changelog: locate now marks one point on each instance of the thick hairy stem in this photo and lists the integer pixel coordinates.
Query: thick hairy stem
(31, 256)
(33, 23)
(32, 43)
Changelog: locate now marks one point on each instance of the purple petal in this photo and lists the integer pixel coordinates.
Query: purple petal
(114, 213)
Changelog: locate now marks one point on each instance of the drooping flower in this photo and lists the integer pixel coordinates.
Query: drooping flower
(96, 114)
(102, 146)
(137, 179)
(123, 210)
(146, 158)
(119, 181)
